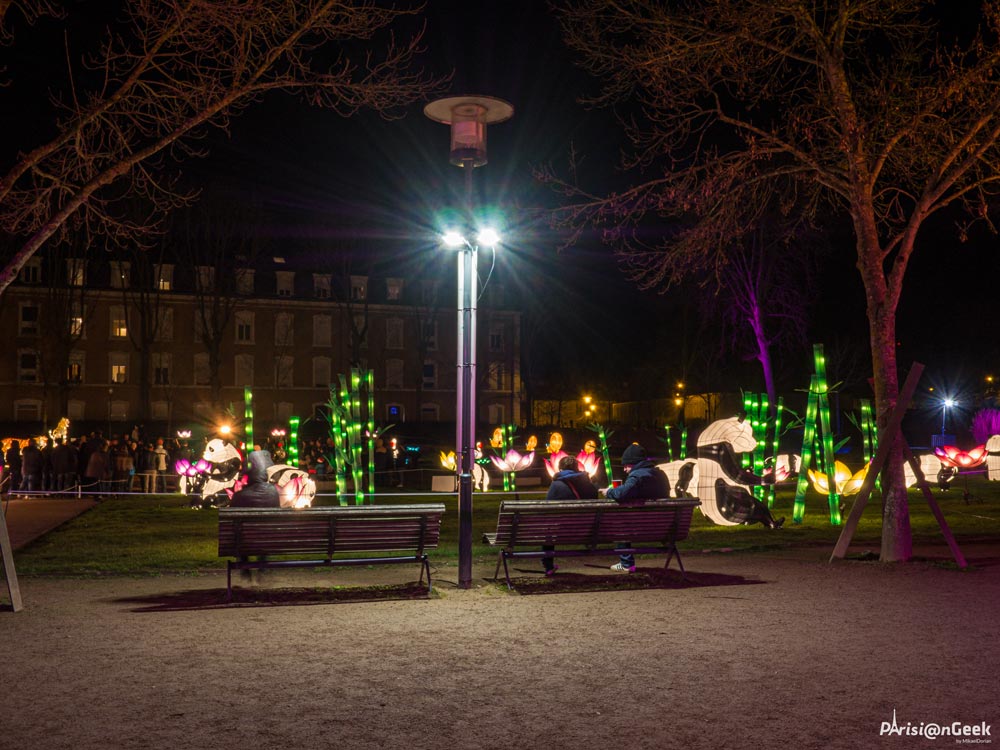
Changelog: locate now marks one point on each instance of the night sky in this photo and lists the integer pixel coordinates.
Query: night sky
(364, 178)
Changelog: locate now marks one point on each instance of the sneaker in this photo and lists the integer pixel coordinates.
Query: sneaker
(619, 568)
(552, 571)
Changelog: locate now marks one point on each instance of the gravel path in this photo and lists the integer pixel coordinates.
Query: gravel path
(755, 651)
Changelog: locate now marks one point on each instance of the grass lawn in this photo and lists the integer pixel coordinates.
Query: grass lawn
(151, 535)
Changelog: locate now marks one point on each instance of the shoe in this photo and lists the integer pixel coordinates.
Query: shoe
(619, 568)
(552, 571)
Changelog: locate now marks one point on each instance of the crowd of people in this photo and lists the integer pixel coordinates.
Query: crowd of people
(131, 462)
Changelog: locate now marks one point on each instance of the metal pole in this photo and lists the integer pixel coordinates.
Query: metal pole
(466, 397)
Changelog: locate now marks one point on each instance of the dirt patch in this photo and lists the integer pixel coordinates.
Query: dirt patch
(752, 651)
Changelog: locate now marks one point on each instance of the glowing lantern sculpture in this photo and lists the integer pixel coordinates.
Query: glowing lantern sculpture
(846, 482)
(589, 462)
(513, 461)
(552, 462)
(993, 458)
(603, 436)
(949, 455)
(448, 461)
(532, 443)
(817, 415)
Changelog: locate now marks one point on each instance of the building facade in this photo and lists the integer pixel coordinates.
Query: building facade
(112, 343)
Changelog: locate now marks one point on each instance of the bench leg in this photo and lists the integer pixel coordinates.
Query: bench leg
(680, 563)
(426, 566)
(229, 581)
(506, 573)
(496, 572)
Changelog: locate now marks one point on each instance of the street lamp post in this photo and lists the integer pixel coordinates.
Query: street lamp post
(945, 405)
(468, 117)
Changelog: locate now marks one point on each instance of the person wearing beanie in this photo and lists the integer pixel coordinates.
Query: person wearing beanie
(569, 483)
(643, 481)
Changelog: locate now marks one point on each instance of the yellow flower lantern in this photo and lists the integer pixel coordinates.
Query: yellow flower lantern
(555, 442)
(448, 460)
(532, 443)
(847, 483)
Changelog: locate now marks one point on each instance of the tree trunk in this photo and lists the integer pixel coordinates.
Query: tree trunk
(897, 544)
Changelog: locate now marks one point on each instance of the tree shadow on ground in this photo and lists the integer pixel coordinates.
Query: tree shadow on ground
(643, 578)
(197, 599)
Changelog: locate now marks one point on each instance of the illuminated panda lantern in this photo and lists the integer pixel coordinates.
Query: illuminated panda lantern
(993, 458)
(296, 489)
(722, 483)
(216, 472)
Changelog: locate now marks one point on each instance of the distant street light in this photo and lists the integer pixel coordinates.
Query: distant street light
(468, 117)
(945, 405)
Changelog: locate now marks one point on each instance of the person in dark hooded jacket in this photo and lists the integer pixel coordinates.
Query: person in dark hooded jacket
(569, 483)
(257, 492)
(643, 481)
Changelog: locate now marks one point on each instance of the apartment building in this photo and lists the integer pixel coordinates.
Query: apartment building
(115, 342)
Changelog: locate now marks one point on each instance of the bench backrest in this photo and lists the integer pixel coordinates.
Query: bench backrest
(327, 531)
(592, 522)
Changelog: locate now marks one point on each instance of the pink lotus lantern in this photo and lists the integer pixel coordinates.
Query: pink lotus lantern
(589, 462)
(513, 461)
(552, 462)
(949, 455)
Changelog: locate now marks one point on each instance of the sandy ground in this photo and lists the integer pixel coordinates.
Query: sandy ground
(754, 651)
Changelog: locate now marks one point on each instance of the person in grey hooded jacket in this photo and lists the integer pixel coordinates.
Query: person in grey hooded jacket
(257, 492)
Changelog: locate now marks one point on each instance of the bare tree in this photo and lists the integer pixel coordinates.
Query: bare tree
(62, 321)
(866, 107)
(171, 71)
(216, 251)
(145, 310)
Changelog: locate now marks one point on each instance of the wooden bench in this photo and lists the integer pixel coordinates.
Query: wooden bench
(313, 536)
(599, 527)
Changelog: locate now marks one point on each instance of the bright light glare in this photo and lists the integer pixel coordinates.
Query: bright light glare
(453, 239)
(949, 403)
(488, 237)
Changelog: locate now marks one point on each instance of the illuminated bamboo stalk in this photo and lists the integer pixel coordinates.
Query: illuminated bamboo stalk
(293, 441)
(356, 469)
(670, 447)
(808, 436)
(684, 440)
(248, 418)
(604, 453)
(370, 387)
(824, 423)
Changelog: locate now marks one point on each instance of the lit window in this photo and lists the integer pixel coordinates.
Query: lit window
(76, 320)
(119, 324)
(165, 277)
(497, 377)
(119, 367)
(75, 368)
